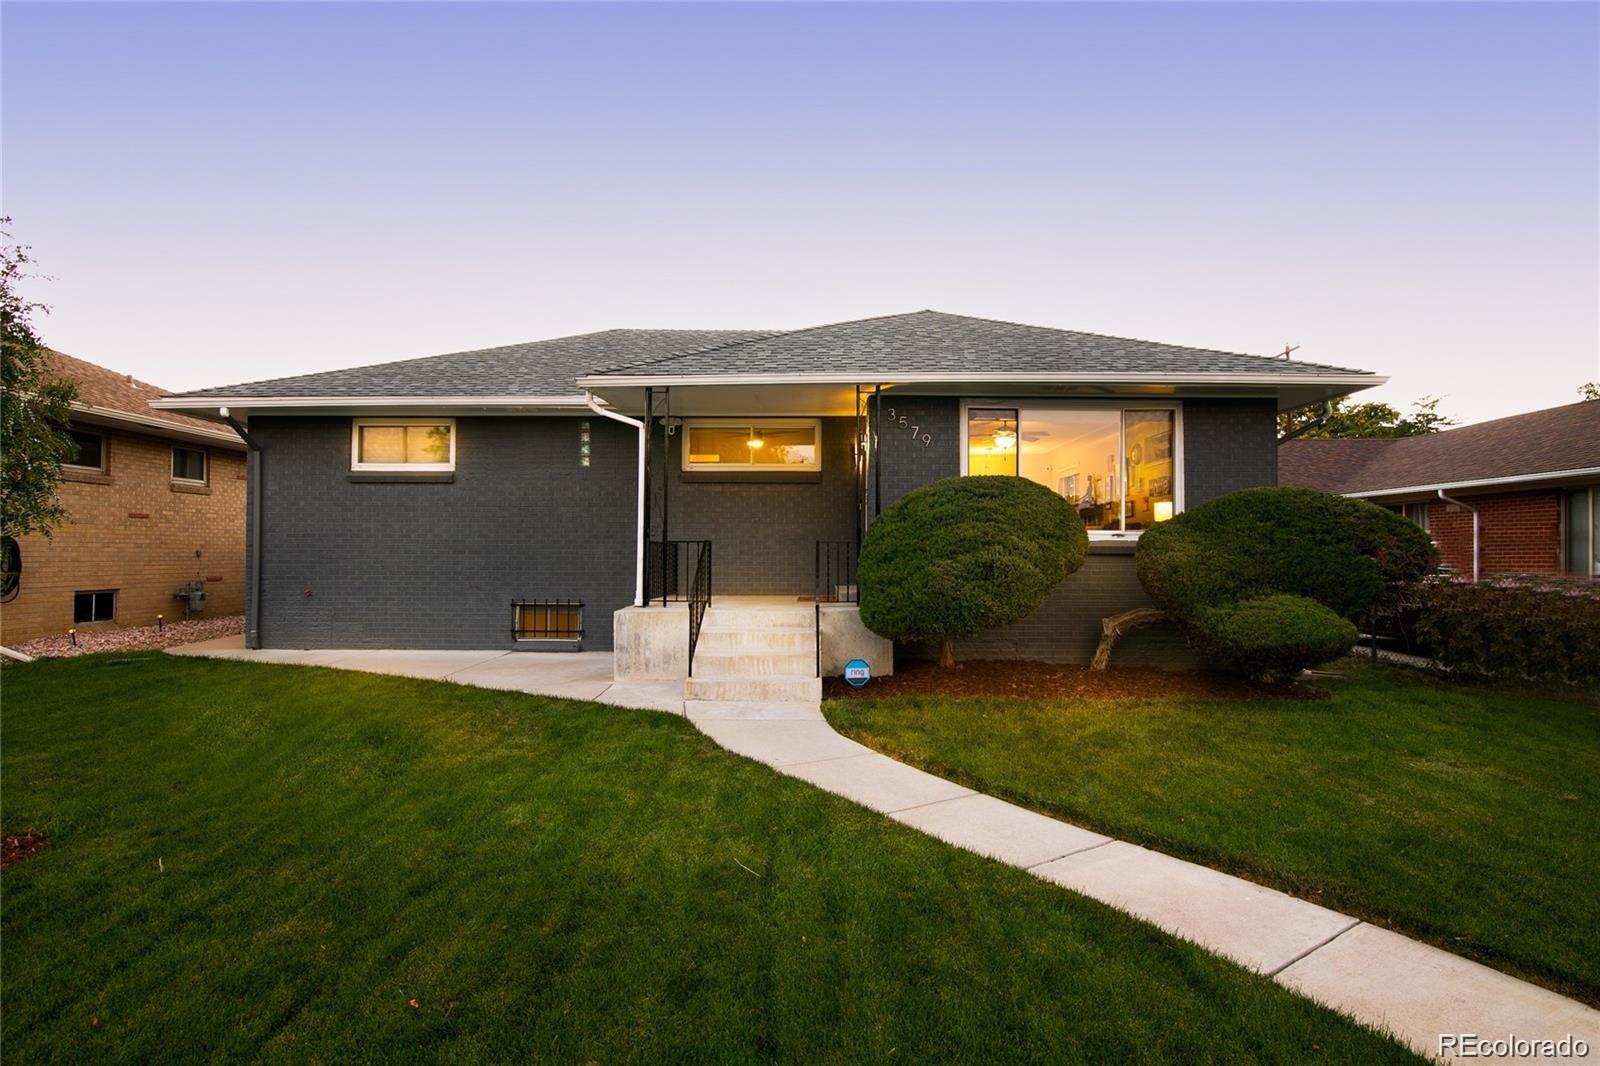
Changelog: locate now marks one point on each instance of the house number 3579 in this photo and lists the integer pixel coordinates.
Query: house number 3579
(904, 422)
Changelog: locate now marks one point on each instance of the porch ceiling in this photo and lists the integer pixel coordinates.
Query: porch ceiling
(833, 398)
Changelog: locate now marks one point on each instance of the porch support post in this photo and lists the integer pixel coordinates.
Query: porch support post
(649, 488)
(877, 460)
(666, 487)
(643, 428)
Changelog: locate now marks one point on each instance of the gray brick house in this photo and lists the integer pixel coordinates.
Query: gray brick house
(520, 496)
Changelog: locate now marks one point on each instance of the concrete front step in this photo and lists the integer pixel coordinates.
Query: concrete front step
(746, 689)
(760, 618)
(754, 664)
(778, 639)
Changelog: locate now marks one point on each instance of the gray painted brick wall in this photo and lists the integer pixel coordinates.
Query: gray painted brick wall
(1228, 445)
(438, 565)
(763, 533)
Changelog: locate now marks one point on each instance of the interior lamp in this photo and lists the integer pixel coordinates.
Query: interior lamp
(755, 441)
(1005, 439)
(1163, 510)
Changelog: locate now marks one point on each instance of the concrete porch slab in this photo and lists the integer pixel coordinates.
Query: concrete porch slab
(877, 781)
(1261, 928)
(1418, 992)
(999, 830)
(780, 743)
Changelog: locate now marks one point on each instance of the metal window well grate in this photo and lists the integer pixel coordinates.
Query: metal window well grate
(547, 620)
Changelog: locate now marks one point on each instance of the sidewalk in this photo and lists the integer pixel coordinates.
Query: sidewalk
(1412, 990)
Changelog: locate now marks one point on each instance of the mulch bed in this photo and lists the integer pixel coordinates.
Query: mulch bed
(14, 847)
(1028, 680)
(133, 638)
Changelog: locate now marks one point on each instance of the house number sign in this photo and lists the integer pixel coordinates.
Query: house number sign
(904, 422)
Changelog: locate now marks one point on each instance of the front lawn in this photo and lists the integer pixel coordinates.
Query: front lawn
(1463, 814)
(293, 863)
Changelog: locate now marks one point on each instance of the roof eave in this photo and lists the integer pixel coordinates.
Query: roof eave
(1532, 478)
(1357, 379)
(159, 427)
(240, 405)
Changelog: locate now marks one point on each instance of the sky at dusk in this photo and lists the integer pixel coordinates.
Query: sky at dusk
(225, 192)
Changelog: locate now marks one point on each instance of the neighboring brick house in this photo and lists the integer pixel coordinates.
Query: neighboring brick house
(1530, 484)
(535, 496)
(155, 500)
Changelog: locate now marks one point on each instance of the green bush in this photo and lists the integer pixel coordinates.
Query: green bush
(963, 555)
(1271, 636)
(1345, 555)
(1515, 629)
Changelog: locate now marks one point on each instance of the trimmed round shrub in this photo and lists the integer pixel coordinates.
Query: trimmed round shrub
(1271, 636)
(1345, 555)
(965, 554)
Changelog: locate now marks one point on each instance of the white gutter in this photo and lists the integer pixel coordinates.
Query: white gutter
(1486, 482)
(638, 564)
(1476, 569)
(112, 417)
(192, 403)
(1339, 377)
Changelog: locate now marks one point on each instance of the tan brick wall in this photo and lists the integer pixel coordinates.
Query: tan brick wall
(136, 533)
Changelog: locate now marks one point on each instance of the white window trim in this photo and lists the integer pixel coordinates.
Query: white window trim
(205, 464)
(357, 466)
(814, 424)
(1026, 404)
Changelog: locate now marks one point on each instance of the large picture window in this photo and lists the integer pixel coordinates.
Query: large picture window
(1118, 466)
(403, 444)
(771, 444)
(1583, 532)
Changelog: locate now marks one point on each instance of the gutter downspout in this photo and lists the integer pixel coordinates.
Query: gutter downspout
(638, 563)
(252, 620)
(1316, 423)
(1475, 516)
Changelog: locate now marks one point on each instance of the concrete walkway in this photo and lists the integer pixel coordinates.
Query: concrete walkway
(1410, 989)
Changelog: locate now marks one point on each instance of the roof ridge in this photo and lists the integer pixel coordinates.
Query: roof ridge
(763, 337)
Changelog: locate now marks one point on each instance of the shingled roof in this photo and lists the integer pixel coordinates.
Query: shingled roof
(932, 342)
(546, 369)
(892, 347)
(107, 396)
(1528, 447)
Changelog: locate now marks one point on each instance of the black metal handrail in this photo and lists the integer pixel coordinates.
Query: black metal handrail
(699, 597)
(833, 581)
(669, 570)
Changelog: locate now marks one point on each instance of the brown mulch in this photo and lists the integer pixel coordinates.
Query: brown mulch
(14, 847)
(1028, 680)
(133, 638)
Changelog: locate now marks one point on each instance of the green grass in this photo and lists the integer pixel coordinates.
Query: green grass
(271, 862)
(1466, 815)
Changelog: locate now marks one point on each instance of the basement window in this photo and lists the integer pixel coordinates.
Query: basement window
(409, 444)
(739, 446)
(548, 620)
(99, 606)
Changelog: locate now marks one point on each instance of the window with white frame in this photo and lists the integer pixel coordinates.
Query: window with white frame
(1583, 532)
(752, 445)
(409, 444)
(1417, 513)
(88, 450)
(1117, 464)
(189, 464)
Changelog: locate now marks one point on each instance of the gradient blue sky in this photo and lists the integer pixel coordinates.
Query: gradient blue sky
(226, 192)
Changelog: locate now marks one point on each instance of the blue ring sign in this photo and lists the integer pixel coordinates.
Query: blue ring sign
(857, 673)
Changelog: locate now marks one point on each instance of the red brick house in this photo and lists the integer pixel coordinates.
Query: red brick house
(155, 501)
(1518, 495)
